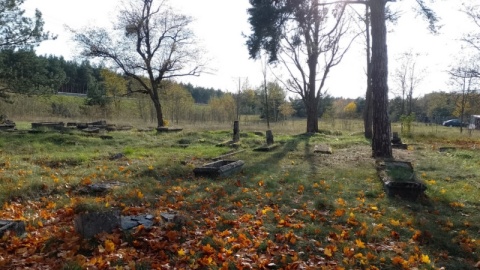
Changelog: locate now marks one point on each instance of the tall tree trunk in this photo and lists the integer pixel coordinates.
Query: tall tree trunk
(312, 116)
(381, 145)
(156, 103)
(158, 110)
(367, 113)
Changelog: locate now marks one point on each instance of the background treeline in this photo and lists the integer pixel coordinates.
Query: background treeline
(51, 87)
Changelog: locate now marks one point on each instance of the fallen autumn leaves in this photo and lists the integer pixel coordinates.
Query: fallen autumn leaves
(290, 217)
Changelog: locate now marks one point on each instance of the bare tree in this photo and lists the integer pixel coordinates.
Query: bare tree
(149, 43)
(473, 39)
(465, 79)
(307, 38)
(408, 76)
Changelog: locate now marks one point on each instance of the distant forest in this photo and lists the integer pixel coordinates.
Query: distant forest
(22, 71)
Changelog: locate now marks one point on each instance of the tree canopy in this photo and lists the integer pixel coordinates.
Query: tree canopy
(307, 38)
(17, 30)
(149, 40)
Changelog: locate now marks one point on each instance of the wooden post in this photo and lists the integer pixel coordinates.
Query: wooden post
(236, 132)
(269, 135)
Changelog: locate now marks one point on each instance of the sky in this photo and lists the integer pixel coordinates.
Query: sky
(220, 25)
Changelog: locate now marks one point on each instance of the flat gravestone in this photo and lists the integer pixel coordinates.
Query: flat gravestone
(219, 168)
(322, 149)
(399, 179)
(166, 129)
(49, 125)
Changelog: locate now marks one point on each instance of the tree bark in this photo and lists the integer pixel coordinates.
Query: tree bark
(158, 106)
(367, 113)
(381, 145)
(311, 106)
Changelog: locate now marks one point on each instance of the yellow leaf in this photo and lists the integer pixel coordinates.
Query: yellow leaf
(358, 256)
(328, 252)
(40, 224)
(109, 245)
(181, 252)
(394, 222)
(341, 202)
(425, 259)
(359, 243)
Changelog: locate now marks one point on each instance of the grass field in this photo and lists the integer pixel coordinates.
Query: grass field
(289, 208)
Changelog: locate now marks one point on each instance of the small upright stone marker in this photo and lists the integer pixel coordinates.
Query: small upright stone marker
(269, 135)
(89, 224)
(236, 132)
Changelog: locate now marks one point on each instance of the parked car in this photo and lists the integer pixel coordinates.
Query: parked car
(453, 123)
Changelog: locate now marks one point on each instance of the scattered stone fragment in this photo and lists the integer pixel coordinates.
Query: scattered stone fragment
(130, 222)
(17, 226)
(174, 217)
(117, 156)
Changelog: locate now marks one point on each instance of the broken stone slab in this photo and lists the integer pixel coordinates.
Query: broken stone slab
(447, 149)
(89, 224)
(174, 217)
(322, 149)
(145, 129)
(166, 129)
(266, 148)
(91, 130)
(400, 180)
(106, 137)
(227, 155)
(49, 125)
(400, 146)
(16, 226)
(7, 126)
(130, 222)
(219, 168)
(97, 188)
